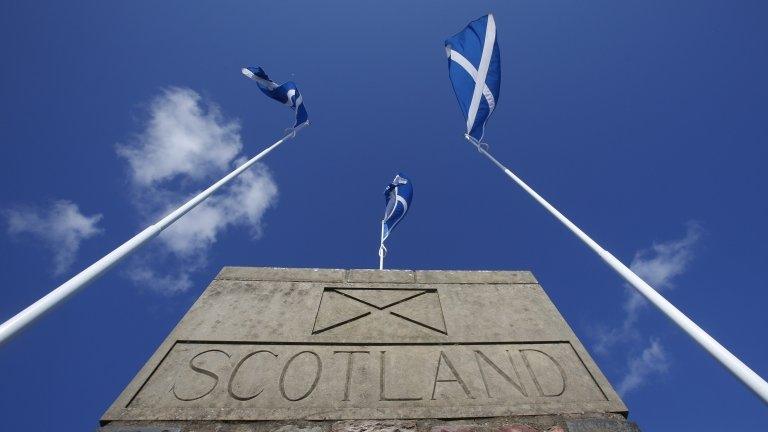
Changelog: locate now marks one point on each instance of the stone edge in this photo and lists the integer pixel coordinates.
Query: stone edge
(580, 422)
(373, 276)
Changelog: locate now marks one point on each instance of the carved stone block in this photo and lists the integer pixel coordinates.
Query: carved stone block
(282, 344)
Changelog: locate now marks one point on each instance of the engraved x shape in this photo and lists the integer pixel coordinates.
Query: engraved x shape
(341, 306)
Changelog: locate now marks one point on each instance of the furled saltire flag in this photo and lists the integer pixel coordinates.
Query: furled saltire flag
(398, 196)
(474, 67)
(286, 94)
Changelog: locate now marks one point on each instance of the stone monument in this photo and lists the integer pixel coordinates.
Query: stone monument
(363, 350)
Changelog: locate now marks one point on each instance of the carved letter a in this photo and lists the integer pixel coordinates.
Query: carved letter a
(457, 378)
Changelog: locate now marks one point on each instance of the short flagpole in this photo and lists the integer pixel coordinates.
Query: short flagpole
(68, 288)
(382, 249)
(730, 361)
(381, 257)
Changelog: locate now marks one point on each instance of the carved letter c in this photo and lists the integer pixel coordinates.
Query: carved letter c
(234, 374)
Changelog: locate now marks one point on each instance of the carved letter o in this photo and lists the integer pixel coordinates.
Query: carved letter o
(318, 370)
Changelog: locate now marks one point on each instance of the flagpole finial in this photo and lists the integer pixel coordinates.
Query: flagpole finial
(481, 146)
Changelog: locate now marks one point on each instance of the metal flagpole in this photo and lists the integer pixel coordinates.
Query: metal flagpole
(40, 307)
(382, 249)
(730, 361)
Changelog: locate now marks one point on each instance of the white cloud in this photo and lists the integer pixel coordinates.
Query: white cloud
(651, 361)
(60, 227)
(243, 204)
(182, 138)
(142, 274)
(187, 143)
(662, 262)
(658, 265)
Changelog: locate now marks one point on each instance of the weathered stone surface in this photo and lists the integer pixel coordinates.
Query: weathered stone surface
(140, 429)
(283, 344)
(295, 428)
(484, 277)
(517, 428)
(458, 428)
(281, 274)
(396, 276)
(375, 426)
(493, 427)
(600, 425)
(539, 423)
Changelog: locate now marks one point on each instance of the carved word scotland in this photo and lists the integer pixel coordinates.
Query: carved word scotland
(278, 376)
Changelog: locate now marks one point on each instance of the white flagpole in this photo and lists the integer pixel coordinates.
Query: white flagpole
(40, 307)
(381, 257)
(382, 249)
(730, 361)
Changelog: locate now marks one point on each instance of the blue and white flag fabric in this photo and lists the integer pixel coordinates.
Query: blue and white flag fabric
(474, 67)
(286, 94)
(398, 196)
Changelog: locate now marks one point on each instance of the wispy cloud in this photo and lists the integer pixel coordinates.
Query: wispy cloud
(60, 227)
(658, 265)
(242, 204)
(186, 143)
(662, 262)
(651, 361)
(142, 273)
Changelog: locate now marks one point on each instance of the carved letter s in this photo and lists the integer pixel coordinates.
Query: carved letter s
(200, 371)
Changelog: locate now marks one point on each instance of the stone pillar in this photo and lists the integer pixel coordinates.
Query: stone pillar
(321, 350)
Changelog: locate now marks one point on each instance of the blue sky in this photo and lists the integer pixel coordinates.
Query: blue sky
(645, 123)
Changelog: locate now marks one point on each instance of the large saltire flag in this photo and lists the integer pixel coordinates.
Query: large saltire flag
(398, 196)
(474, 67)
(286, 94)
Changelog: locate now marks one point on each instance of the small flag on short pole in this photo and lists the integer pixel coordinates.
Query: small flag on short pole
(398, 196)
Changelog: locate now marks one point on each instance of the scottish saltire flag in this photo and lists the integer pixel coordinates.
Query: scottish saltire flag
(474, 67)
(286, 94)
(398, 196)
